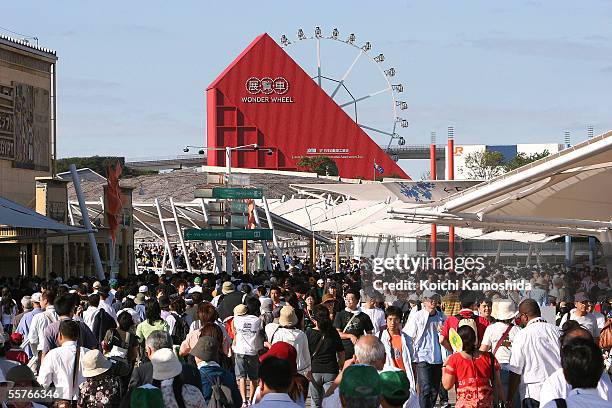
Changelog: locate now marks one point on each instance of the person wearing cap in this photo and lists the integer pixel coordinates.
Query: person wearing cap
(360, 386)
(197, 285)
(40, 321)
(100, 387)
(228, 300)
(206, 354)
(285, 330)
(499, 336)
(275, 381)
(167, 377)
(15, 353)
(5, 364)
(581, 314)
(139, 307)
(57, 367)
(248, 341)
(395, 389)
(23, 327)
(22, 377)
(26, 306)
(423, 327)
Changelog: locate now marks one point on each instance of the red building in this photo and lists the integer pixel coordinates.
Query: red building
(265, 97)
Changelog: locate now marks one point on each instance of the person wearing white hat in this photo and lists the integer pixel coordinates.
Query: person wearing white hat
(285, 330)
(166, 372)
(498, 337)
(100, 387)
(26, 320)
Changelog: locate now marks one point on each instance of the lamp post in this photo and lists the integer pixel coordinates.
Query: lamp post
(228, 168)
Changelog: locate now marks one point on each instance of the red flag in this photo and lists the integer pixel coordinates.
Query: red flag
(114, 206)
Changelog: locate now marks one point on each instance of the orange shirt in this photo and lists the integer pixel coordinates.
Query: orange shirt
(396, 351)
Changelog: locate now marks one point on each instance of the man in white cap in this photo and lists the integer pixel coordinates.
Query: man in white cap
(24, 324)
(581, 314)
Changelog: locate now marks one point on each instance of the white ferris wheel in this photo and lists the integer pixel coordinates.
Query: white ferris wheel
(342, 90)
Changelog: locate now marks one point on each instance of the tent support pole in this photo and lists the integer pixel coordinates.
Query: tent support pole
(92, 238)
(279, 253)
(166, 240)
(264, 244)
(180, 235)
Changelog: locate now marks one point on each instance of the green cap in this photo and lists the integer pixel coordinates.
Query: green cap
(197, 280)
(394, 386)
(360, 381)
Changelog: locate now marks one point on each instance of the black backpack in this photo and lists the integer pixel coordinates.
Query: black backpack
(181, 329)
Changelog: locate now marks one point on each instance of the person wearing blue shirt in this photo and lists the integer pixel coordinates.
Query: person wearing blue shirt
(206, 353)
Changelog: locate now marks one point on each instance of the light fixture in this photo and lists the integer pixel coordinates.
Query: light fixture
(300, 34)
(335, 34)
(351, 38)
(401, 104)
(398, 87)
(401, 141)
(186, 150)
(317, 32)
(284, 40)
(367, 46)
(390, 72)
(379, 58)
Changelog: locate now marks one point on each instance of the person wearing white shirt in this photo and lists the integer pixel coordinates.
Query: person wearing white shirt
(248, 341)
(581, 314)
(556, 386)
(582, 365)
(57, 367)
(274, 380)
(499, 336)
(599, 317)
(90, 314)
(286, 331)
(40, 322)
(377, 315)
(535, 354)
(103, 292)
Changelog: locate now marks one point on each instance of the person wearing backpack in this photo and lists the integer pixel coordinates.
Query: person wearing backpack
(466, 316)
(218, 385)
(177, 321)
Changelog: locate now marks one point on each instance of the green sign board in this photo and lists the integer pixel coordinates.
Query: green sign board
(193, 234)
(228, 192)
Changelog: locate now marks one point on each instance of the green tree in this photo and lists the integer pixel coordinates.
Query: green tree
(522, 159)
(322, 165)
(483, 165)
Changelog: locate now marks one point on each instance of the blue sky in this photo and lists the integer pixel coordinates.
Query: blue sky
(132, 75)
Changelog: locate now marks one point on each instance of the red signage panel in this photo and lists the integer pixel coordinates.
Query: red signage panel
(265, 97)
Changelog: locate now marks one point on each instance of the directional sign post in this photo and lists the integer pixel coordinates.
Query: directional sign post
(193, 234)
(228, 193)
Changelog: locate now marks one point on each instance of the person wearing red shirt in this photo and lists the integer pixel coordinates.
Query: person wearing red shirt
(14, 352)
(468, 305)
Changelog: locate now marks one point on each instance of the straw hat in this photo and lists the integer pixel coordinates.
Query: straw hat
(328, 297)
(140, 299)
(94, 363)
(287, 316)
(240, 310)
(504, 310)
(228, 287)
(166, 364)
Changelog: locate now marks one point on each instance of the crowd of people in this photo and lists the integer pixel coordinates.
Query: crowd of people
(307, 336)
